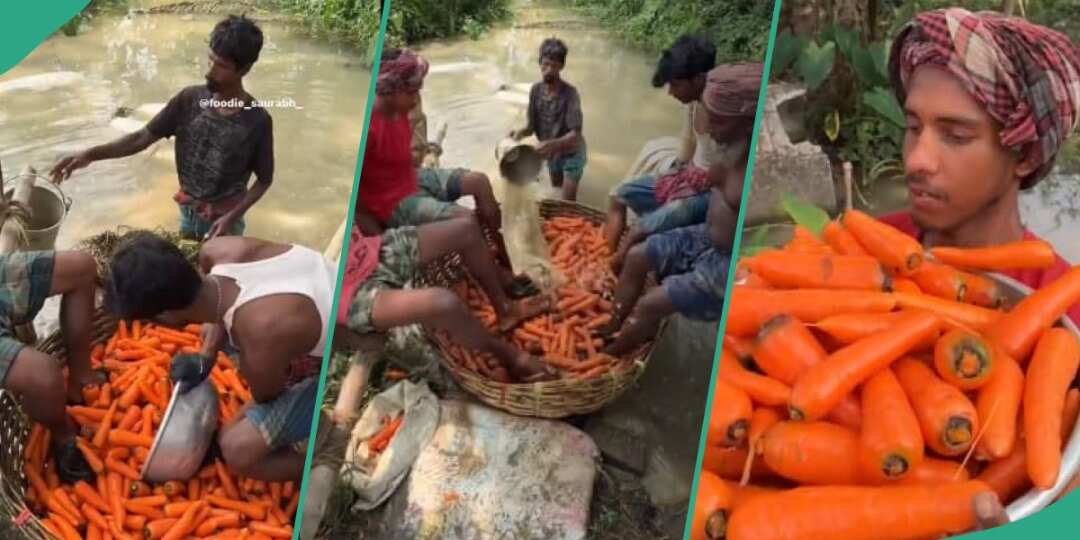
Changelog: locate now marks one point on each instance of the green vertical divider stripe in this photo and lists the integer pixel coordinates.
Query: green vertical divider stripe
(342, 259)
(731, 267)
(24, 25)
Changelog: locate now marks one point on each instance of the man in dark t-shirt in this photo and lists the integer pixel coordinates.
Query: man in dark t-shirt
(222, 137)
(554, 116)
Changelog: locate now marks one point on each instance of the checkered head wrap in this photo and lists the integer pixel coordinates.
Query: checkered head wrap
(402, 74)
(1027, 76)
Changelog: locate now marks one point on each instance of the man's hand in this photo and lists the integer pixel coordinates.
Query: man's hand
(221, 226)
(490, 214)
(546, 149)
(189, 370)
(989, 512)
(67, 165)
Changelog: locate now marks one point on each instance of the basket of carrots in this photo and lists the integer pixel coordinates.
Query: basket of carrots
(566, 337)
(118, 423)
(861, 377)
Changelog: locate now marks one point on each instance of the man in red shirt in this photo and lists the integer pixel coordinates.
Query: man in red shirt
(989, 101)
(392, 191)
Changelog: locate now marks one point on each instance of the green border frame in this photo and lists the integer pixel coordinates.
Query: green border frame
(328, 352)
(732, 265)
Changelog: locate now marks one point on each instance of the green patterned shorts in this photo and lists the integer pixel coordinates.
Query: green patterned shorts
(439, 188)
(25, 281)
(399, 257)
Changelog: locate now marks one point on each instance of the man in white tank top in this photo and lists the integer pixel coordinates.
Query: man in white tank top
(271, 301)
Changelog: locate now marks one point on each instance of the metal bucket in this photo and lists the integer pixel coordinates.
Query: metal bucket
(186, 431)
(48, 208)
(518, 163)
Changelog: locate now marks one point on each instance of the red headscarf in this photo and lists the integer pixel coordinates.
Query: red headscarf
(405, 73)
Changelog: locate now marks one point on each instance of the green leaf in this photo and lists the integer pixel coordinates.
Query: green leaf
(816, 63)
(786, 51)
(756, 242)
(879, 53)
(803, 213)
(884, 103)
(847, 41)
(866, 69)
(832, 125)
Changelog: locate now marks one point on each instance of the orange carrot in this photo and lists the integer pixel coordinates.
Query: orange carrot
(729, 462)
(1008, 477)
(761, 420)
(1053, 367)
(129, 439)
(1009, 256)
(841, 240)
(858, 513)
(94, 518)
(272, 532)
(713, 501)
(964, 359)
(186, 524)
(905, 285)
(847, 413)
(122, 468)
(760, 388)
(940, 280)
(982, 291)
(817, 271)
(954, 312)
(822, 386)
(91, 456)
(891, 442)
(133, 414)
(115, 482)
(67, 531)
(226, 480)
(729, 418)
(997, 405)
(785, 348)
(1018, 330)
(253, 511)
(851, 327)
(101, 437)
(748, 308)
(812, 452)
(90, 496)
(935, 471)
(948, 418)
(896, 250)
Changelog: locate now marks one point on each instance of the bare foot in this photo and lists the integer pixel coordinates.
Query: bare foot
(528, 368)
(77, 383)
(521, 310)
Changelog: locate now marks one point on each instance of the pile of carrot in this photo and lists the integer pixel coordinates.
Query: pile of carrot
(118, 424)
(378, 442)
(868, 389)
(565, 337)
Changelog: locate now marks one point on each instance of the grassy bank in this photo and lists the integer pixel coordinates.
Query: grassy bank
(739, 28)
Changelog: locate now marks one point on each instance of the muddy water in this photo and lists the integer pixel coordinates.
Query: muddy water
(621, 109)
(65, 96)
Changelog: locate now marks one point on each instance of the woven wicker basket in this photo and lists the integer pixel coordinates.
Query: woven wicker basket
(15, 429)
(549, 399)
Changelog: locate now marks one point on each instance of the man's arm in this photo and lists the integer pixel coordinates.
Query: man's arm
(124, 146)
(74, 276)
(270, 336)
(266, 365)
(689, 138)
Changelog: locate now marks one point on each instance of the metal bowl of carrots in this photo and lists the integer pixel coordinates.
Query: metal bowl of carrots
(1037, 499)
(186, 431)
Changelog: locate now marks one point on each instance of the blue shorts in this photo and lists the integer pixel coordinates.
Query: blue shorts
(570, 166)
(286, 421)
(639, 195)
(192, 225)
(692, 272)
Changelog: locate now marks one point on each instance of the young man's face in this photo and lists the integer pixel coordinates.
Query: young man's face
(550, 69)
(222, 73)
(687, 90)
(955, 163)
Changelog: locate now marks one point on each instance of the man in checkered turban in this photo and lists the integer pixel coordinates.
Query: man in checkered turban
(989, 101)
